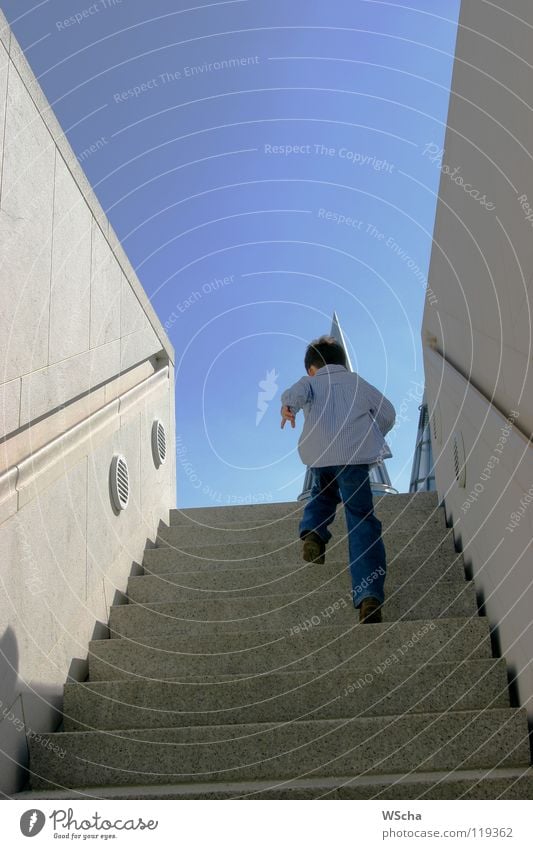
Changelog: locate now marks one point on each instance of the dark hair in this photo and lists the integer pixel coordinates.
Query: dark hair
(324, 351)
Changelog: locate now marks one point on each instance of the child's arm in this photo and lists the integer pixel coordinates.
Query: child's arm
(293, 399)
(287, 416)
(381, 409)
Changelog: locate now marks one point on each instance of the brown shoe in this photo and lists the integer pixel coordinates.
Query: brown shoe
(370, 611)
(314, 548)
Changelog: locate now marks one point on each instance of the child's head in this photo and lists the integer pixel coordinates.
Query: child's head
(323, 352)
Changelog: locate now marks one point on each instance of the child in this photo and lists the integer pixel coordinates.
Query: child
(346, 419)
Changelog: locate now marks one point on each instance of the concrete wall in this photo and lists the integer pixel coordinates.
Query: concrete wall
(479, 319)
(85, 369)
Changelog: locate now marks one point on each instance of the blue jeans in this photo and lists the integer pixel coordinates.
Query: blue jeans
(366, 549)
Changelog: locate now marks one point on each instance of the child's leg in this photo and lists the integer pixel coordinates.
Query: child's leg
(319, 511)
(367, 552)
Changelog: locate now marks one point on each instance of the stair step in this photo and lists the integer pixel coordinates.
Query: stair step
(289, 550)
(304, 577)
(500, 783)
(288, 528)
(160, 561)
(396, 687)
(174, 656)
(237, 670)
(404, 502)
(464, 739)
(291, 611)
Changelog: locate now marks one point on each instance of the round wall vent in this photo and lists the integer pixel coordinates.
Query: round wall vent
(436, 427)
(459, 462)
(120, 482)
(159, 442)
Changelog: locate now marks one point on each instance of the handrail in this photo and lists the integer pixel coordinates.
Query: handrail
(48, 462)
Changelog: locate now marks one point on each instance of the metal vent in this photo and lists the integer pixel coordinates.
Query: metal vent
(120, 482)
(459, 458)
(159, 442)
(436, 429)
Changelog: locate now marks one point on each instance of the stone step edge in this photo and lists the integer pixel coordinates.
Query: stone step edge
(252, 729)
(238, 550)
(289, 598)
(338, 630)
(331, 553)
(452, 575)
(290, 567)
(420, 496)
(226, 677)
(422, 512)
(251, 788)
(423, 499)
(418, 516)
(442, 535)
(394, 565)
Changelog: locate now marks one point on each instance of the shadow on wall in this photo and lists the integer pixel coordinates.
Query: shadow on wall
(27, 710)
(13, 747)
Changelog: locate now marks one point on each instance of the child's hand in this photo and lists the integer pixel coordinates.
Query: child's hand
(287, 416)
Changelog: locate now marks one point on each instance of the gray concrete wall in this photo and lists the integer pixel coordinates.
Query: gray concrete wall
(72, 311)
(85, 369)
(479, 316)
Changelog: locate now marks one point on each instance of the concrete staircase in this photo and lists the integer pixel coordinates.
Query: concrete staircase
(236, 670)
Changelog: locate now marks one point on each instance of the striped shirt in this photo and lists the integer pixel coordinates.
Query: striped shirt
(346, 418)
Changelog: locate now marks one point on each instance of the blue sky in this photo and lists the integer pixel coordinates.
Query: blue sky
(263, 164)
